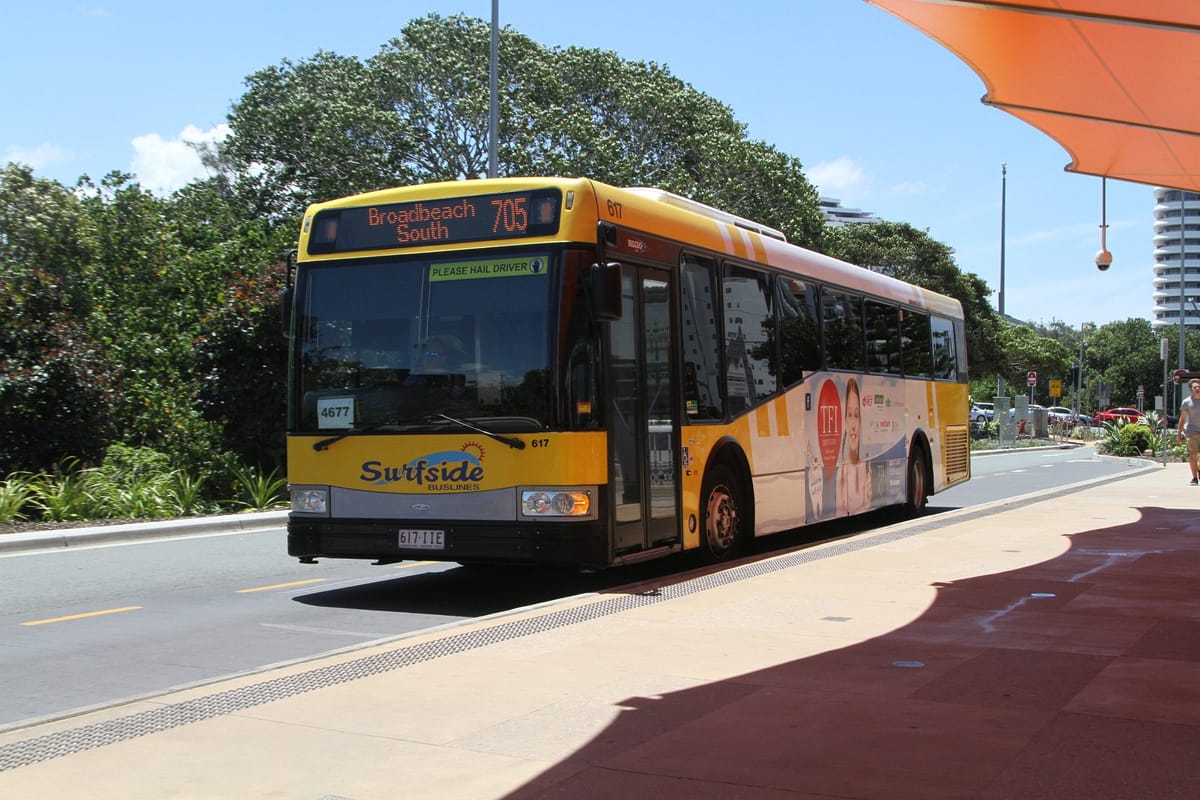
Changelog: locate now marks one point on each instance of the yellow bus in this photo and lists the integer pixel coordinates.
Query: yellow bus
(556, 371)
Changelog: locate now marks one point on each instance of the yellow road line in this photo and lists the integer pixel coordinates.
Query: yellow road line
(410, 565)
(81, 616)
(280, 585)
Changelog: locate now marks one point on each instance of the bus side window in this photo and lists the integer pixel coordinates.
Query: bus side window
(915, 343)
(945, 351)
(841, 317)
(701, 340)
(883, 338)
(750, 363)
(799, 329)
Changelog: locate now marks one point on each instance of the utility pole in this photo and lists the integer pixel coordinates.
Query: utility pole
(1003, 199)
(494, 94)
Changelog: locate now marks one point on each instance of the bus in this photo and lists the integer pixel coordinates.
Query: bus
(555, 371)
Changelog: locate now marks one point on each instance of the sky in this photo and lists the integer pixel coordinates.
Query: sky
(882, 118)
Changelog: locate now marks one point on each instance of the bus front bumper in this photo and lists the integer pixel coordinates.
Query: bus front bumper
(577, 544)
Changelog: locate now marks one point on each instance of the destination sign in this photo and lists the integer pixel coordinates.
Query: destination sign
(507, 215)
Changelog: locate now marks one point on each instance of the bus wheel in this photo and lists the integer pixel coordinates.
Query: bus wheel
(918, 491)
(723, 514)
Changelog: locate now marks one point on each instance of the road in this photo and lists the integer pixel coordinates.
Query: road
(92, 626)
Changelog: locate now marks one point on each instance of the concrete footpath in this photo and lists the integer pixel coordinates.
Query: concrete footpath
(1047, 647)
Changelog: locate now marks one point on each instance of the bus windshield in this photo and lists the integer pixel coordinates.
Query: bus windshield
(400, 343)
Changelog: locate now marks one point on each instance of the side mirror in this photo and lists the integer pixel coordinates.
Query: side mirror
(605, 290)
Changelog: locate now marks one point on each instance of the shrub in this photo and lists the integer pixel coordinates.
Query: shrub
(256, 490)
(1127, 439)
(57, 389)
(15, 493)
(242, 359)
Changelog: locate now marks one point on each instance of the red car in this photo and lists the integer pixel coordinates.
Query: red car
(1115, 415)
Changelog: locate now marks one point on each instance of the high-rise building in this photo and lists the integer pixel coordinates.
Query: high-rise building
(838, 216)
(1176, 257)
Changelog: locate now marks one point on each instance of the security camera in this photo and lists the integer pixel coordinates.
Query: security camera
(1103, 260)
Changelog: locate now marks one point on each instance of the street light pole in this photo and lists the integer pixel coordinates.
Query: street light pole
(1003, 199)
(494, 94)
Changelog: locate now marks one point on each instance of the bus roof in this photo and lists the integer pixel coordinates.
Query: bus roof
(659, 213)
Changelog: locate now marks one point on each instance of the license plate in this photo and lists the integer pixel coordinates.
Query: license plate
(422, 540)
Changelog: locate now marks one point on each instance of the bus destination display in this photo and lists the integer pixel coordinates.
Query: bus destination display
(508, 215)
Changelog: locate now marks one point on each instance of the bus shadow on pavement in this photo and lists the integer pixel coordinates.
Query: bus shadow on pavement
(459, 592)
(1071, 677)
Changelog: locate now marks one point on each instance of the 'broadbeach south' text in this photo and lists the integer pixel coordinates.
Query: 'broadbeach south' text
(422, 223)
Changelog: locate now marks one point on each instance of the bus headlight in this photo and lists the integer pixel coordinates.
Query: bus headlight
(537, 503)
(310, 500)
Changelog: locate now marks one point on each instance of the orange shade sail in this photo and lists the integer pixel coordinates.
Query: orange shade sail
(1112, 81)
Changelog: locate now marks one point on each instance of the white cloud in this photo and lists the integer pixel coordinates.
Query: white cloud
(838, 177)
(164, 165)
(911, 188)
(38, 157)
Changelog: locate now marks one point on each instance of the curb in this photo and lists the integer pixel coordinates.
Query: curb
(1060, 446)
(68, 538)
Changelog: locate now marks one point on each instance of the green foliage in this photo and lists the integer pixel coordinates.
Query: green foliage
(242, 358)
(312, 130)
(1127, 439)
(63, 496)
(1024, 351)
(57, 388)
(418, 111)
(15, 494)
(131, 483)
(257, 490)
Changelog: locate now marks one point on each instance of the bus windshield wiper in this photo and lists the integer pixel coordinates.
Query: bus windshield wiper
(374, 426)
(511, 441)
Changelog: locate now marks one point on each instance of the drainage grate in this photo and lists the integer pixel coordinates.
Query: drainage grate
(89, 737)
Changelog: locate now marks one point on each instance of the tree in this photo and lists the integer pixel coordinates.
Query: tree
(43, 226)
(418, 111)
(1024, 352)
(241, 357)
(57, 389)
(309, 131)
(57, 393)
(1124, 355)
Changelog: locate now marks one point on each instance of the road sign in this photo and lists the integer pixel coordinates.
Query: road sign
(1055, 387)
(1180, 375)
(1031, 379)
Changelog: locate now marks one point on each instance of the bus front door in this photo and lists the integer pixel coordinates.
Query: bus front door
(644, 414)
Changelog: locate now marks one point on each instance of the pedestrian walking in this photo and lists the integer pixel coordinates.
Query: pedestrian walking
(1189, 426)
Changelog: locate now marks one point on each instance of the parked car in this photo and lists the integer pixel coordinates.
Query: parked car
(981, 413)
(1061, 415)
(1117, 414)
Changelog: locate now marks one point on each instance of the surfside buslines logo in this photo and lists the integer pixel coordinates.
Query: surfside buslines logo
(445, 471)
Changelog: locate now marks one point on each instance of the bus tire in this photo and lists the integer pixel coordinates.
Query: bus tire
(724, 514)
(918, 483)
